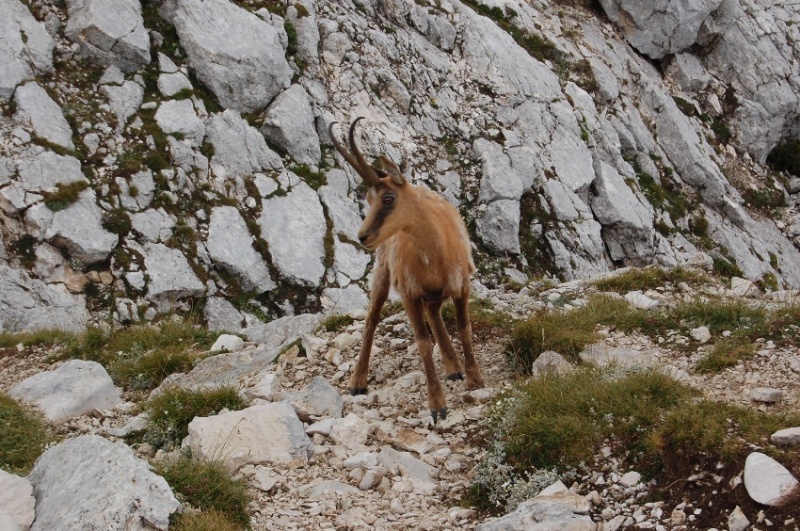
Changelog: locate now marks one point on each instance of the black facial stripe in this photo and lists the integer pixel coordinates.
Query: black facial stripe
(383, 212)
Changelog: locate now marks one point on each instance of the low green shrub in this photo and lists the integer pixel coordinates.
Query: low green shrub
(208, 487)
(23, 436)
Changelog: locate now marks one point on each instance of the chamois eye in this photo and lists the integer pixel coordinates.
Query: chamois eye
(388, 200)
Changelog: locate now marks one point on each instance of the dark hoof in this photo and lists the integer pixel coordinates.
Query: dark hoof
(358, 391)
(439, 413)
(455, 376)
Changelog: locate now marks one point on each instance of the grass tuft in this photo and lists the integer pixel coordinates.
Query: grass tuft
(206, 486)
(567, 333)
(23, 436)
(335, 323)
(171, 412)
(727, 353)
(648, 278)
(141, 356)
(210, 520)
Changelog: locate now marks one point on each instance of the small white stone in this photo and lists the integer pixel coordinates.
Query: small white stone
(786, 437)
(701, 334)
(766, 480)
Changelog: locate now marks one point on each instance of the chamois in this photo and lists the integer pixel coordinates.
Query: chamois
(423, 251)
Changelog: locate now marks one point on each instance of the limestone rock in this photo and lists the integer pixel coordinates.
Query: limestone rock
(79, 230)
(227, 343)
(179, 116)
(701, 334)
(602, 355)
(45, 170)
(737, 521)
(422, 475)
(37, 108)
(281, 332)
(221, 315)
(239, 149)
(269, 433)
(234, 53)
(787, 436)
(30, 304)
(567, 512)
(171, 277)
(659, 30)
(344, 300)
(124, 99)
(154, 225)
(76, 388)
(289, 124)
(498, 227)
(26, 48)
(767, 481)
(318, 399)
(16, 499)
(110, 32)
(766, 394)
(294, 227)
(351, 432)
(550, 361)
(72, 482)
(230, 245)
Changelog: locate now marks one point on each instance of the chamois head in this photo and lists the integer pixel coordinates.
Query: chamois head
(387, 193)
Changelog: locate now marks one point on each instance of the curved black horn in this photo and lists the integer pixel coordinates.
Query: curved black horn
(357, 162)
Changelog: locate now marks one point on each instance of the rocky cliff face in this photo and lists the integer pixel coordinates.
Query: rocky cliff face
(159, 154)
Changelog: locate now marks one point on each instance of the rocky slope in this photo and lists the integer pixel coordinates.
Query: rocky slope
(177, 152)
(317, 458)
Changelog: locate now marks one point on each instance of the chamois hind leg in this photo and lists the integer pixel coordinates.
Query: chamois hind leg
(474, 377)
(416, 314)
(378, 296)
(452, 367)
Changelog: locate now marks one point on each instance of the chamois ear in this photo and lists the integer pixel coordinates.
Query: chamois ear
(391, 169)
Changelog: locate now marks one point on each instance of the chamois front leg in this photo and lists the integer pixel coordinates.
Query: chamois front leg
(436, 401)
(474, 377)
(452, 366)
(378, 296)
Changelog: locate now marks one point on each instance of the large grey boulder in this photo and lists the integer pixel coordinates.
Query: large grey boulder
(242, 368)
(76, 388)
(563, 511)
(269, 433)
(294, 226)
(659, 28)
(289, 124)
(627, 220)
(179, 116)
(750, 46)
(512, 72)
(171, 276)
(154, 225)
(230, 245)
(30, 304)
(26, 49)
(78, 229)
(109, 32)
(43, 171)
(281, 332)
(92, 484)
(36, 108)
(234, 53)
(124, 99)
(318, 399)
(239, 149)
(16, 499)
(498, 226)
